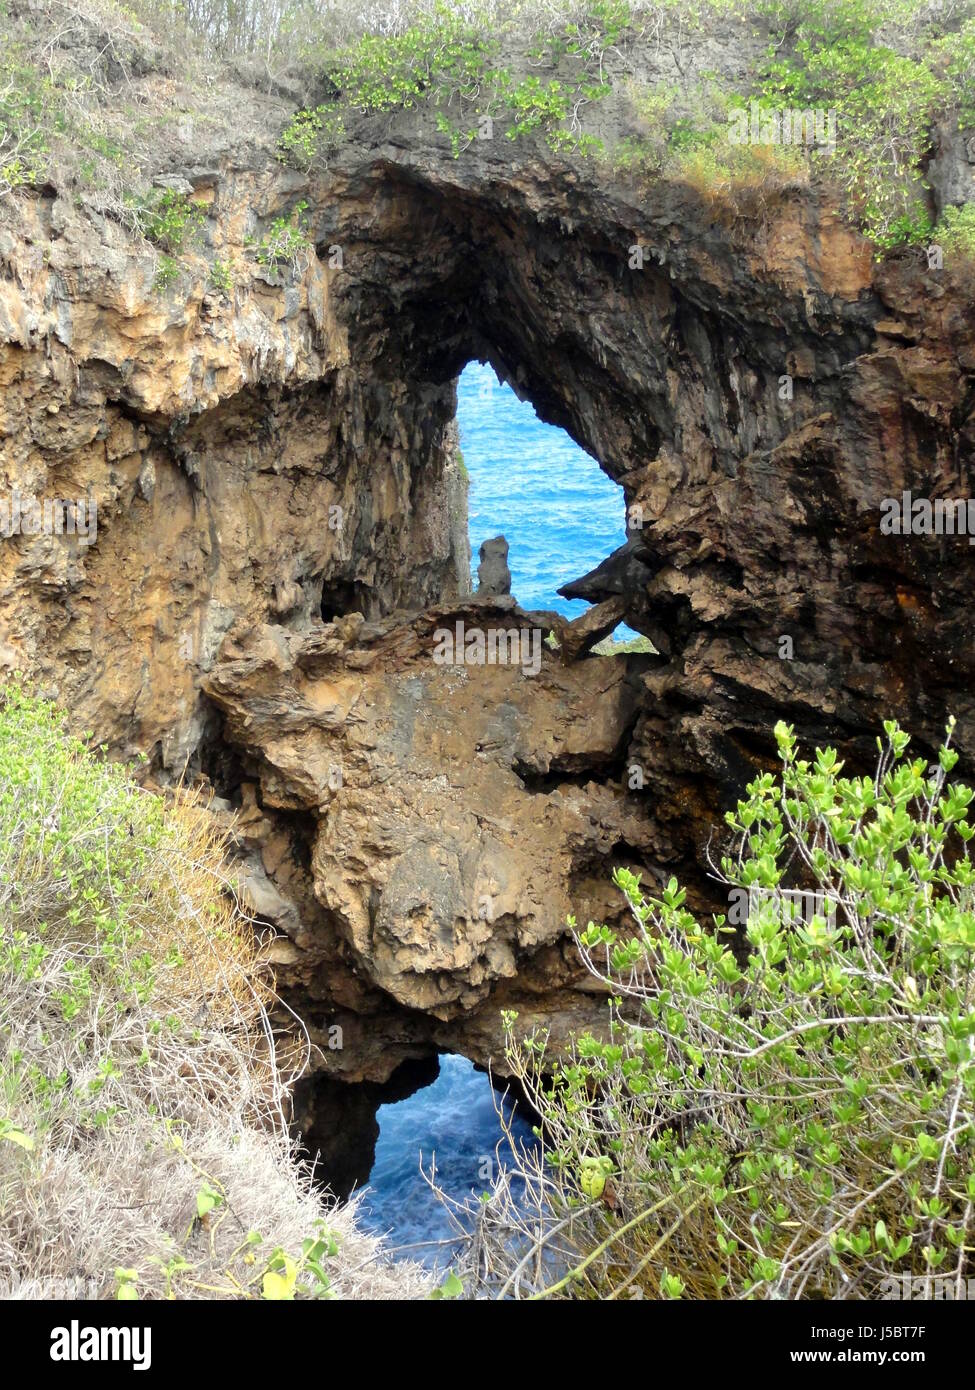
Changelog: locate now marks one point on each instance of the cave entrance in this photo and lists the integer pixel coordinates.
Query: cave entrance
(371, 1138)
(532, 483)
(452, 1122)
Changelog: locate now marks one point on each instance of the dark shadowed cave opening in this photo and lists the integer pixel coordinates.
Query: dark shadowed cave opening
(343, 596)
(337, 1121)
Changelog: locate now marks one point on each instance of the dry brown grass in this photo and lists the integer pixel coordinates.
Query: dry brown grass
(743, 183)
(143, 1109)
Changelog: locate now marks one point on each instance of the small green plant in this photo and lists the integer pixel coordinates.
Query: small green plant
(285, 245)
(286, 1277)
(171, 221)
(535, 103)
(168, 271)
(563, 141)
(459, 139)
(310, 136)
(451, 1288)
(221, 279)
(12, 1135)
(955, 232)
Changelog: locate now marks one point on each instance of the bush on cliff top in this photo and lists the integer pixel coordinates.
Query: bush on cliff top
(788, 1115)
(886, 72)
(143, 1145)
(88, 90)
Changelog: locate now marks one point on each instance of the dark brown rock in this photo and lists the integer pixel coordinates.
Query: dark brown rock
(597, 622)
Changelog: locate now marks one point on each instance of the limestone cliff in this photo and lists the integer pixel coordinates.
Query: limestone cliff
(271, 459)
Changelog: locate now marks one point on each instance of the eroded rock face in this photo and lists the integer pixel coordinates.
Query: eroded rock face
(457, 812)
(269, 465)
(225, 446)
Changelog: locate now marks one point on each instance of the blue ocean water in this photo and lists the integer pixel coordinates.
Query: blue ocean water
(455, 1119)
(530, 482)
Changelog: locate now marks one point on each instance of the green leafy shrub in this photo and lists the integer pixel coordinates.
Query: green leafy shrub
(285, 245)
(440, 55)
(954, 56)
(785, 1115)
(24, 118)
(171, 221)
(143, 1140)
(310, 136)
(168, 271)
(886, 94)
(885, 70)
(450, 59)
(955, 232)
(221, 278)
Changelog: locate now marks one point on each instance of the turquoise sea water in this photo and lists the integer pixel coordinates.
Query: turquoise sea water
(531, 483)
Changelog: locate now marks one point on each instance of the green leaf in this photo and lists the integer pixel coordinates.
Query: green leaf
(452, 1287)
(18, 1137)
(207, 1199)
(278, 1285)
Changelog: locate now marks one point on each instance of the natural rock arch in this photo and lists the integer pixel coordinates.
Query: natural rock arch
(758, 387)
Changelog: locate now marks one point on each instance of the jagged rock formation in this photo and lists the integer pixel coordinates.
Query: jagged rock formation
(268, 465)
(454, 814)
(493, 575)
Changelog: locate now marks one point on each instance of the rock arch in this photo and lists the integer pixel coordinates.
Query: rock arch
(758, 386)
